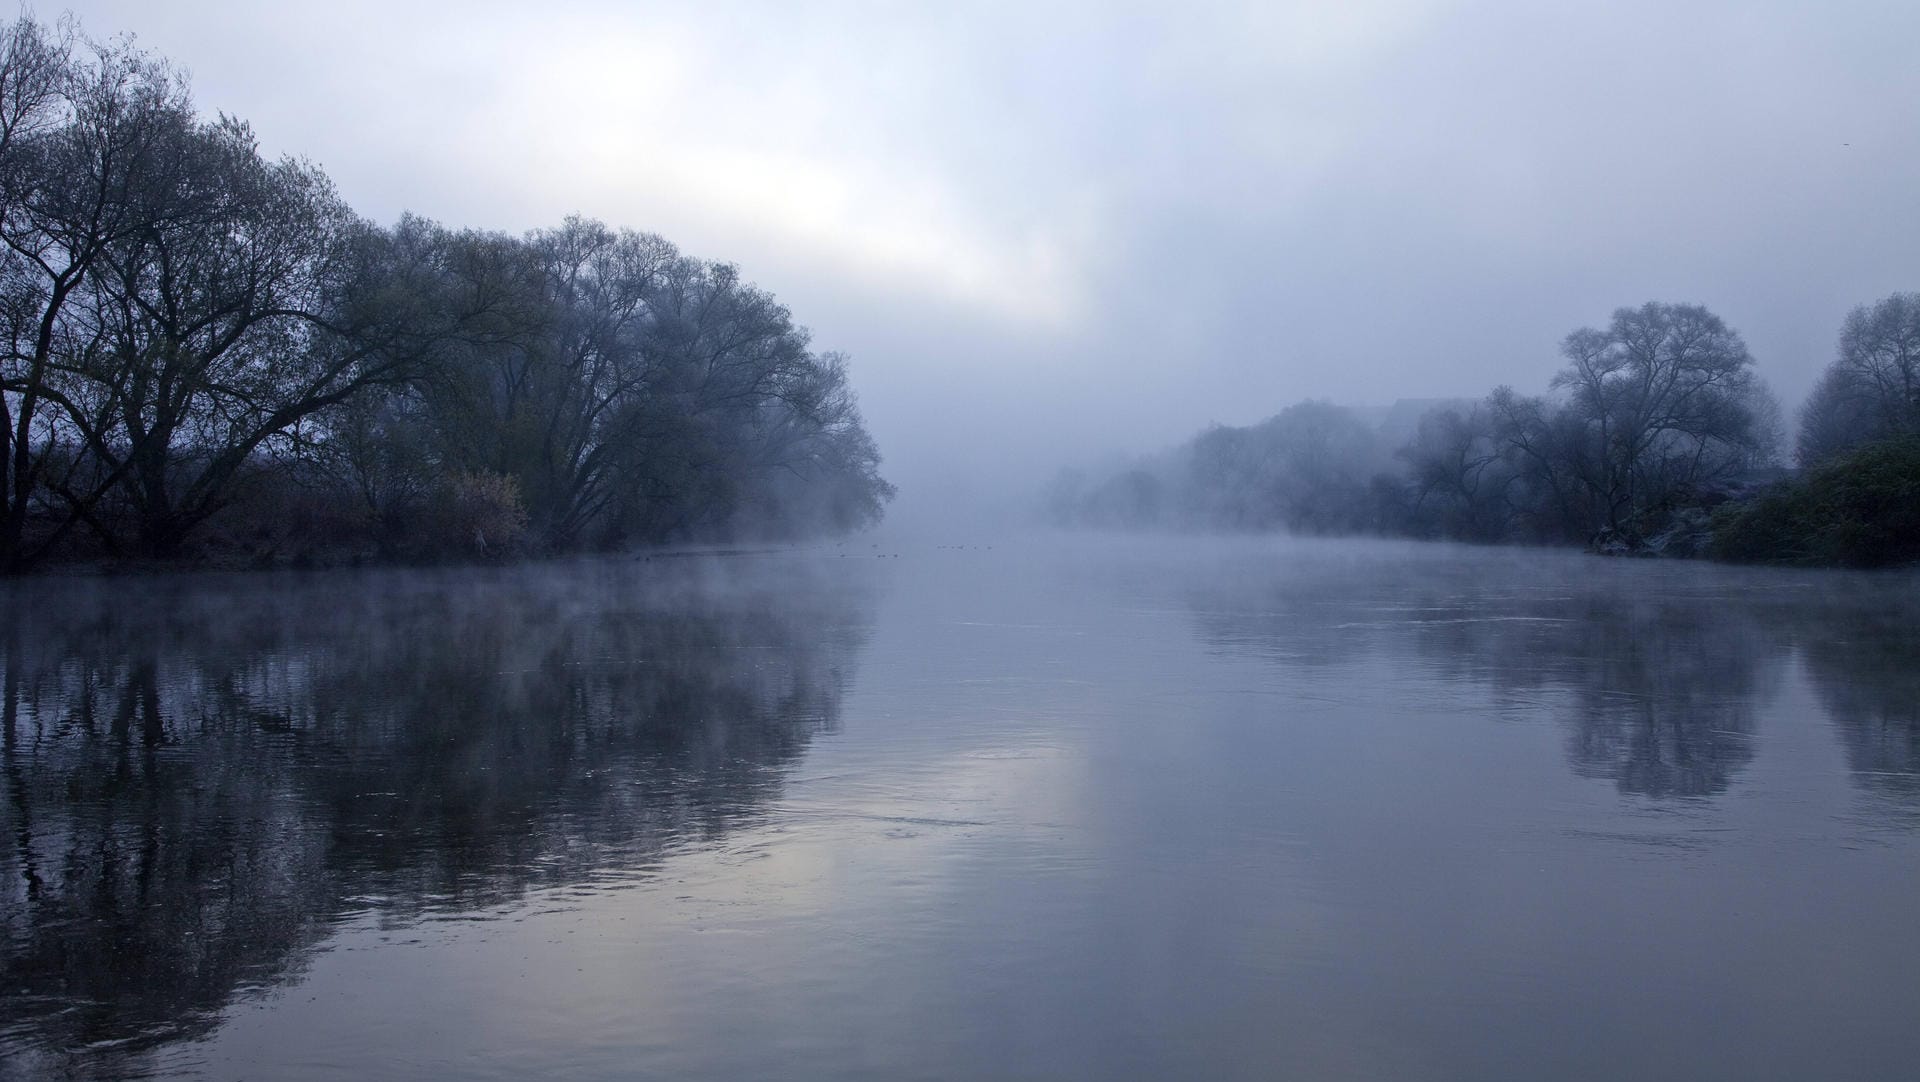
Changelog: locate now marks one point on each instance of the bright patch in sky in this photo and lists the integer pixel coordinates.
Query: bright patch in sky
(1088, 226)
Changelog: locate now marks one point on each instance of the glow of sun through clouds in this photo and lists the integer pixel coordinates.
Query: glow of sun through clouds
(989, 158)
(863, 219)
(819, 143)
(976, 157)
(725, 144)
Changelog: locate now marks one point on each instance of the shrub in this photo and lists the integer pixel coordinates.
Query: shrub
(471, 516)
(1861, 509)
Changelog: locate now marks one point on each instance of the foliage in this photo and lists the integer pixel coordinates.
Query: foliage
(477, 515)
(186, 324)
(1861, 509)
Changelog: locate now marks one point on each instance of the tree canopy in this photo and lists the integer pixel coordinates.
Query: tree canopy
(202, 343)
(1871, 391)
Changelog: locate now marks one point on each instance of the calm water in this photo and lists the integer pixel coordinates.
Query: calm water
(1070, 809)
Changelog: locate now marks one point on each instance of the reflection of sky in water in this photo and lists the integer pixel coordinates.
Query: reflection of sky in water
(1232, 809)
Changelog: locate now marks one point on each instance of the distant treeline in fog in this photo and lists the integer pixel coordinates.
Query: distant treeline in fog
(1656, 436)
(209, 354)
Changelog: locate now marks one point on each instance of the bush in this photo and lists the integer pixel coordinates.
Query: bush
(470, 516)
(1859, 510)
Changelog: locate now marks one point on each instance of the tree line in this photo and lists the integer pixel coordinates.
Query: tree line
(1655, 436)
(207, 351)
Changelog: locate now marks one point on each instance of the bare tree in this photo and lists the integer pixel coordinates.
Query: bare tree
(80, 136)
(816, 466)
(1872, 389)
(720, 354)
(34, 70)
(247, 300)
(180, 316)
(552, 354)
(1550, 452)
(1667, 393)
(631, 392)
(602, 285)
(1459, 473)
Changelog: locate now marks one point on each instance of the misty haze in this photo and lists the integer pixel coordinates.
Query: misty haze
(1092, 541)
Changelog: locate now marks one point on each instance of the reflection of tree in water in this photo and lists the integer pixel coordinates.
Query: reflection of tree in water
(1657, 688)
(1866, 670)
(197, 787)
(1658, 692)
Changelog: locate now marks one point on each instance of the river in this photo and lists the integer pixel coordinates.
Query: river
(1055, 807)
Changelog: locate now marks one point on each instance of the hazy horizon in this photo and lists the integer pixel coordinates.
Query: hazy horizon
(1049, 237)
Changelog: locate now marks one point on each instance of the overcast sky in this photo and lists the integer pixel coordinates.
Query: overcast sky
(1048, 232)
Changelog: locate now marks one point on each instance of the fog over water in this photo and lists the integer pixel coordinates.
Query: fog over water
(1055, 808)
(1051, 233)
(957, 797)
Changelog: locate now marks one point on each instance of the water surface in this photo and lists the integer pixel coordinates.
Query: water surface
(1074, 808)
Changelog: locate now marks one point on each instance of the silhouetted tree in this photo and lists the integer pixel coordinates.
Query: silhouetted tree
(189, 327)
(1872, 389)
(1460, 478)
(632, 393)
(83, 139)
(1668, 400)
(1653, 413)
